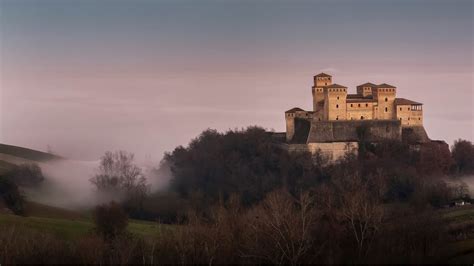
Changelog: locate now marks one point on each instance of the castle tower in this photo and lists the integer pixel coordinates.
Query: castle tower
(320, 81)
(335, 96)
(366, 89)
(385, 96)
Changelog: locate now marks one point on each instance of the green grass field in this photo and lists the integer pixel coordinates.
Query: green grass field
(74, 228)
(69, 224)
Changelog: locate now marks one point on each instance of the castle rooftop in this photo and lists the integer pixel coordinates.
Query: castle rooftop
(367, 84)
(385, 85)
(335, 86)
(360, 100)
(403, 101)
(294, 110)
(323, 75)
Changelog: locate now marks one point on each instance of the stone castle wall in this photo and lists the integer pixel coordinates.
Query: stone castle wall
(332, 150)
(352, 131)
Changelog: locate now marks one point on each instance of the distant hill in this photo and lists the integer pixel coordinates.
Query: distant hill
(26, 153)
(13, 155)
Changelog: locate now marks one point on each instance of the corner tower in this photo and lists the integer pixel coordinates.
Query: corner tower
(321, 80)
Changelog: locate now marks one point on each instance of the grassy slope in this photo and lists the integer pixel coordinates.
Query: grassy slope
(460, 251)
(69, 224)
(27, 153)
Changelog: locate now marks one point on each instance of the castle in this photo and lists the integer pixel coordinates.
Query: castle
(340, 120)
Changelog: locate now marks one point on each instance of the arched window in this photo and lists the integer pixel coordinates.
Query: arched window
(337, 118)
(338, 97)
(351, 104)
(366, 105)
(361, 118)
(337, 105)
(386, 109)
(358, 105)
(386, 99)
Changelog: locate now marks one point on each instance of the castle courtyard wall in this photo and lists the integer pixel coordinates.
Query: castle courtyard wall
(331, 150)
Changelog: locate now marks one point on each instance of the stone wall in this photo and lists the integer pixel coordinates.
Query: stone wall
(360, 110)
(350, 131)
(385, 99)
(332, 151)
(335, 104)
(415, 135)
(408, 116)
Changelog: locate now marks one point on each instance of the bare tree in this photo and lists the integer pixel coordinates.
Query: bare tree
(280, 229)
(117, 170)
(118, 173)
(359, 209)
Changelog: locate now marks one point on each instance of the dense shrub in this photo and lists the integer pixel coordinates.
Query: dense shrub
(29, 174)
(110, 220)
(11, 195)
(463, 155)
(216, 165)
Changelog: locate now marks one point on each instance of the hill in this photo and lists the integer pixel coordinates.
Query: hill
(27, 154)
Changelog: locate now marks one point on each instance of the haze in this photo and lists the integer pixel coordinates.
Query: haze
(85, 77)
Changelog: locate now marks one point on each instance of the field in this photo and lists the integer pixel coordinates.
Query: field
(71, 225)
(461, 251)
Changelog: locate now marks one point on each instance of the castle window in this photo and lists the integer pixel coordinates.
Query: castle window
(400, 108)
(366, 105)
(386, 99)
(337, 118)
(419, 118)
(325, 83)
(338, 97)
(358, 105)
(337, 105)
(408, 108)
(400, 119)
(361, 118)
(408, 119)
(351, 104)
(386, 109)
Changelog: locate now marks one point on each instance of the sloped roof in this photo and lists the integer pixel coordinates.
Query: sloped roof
(368, 84)
(385, 85)
(358, 96)
(335, 86)
(403, 101)
(294, 110)
(323, 75)
(361, 100)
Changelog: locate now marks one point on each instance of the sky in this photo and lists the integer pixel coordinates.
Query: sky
(84, 77)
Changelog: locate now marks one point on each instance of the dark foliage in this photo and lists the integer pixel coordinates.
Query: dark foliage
(463, 156)
(11, 195)
(245, 162)
(26, 175)
(110, 220)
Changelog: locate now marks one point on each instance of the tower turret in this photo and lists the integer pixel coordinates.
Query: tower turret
(320, 81)
(335, 96)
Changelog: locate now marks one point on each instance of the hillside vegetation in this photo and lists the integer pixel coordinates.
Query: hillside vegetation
(236, 197)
